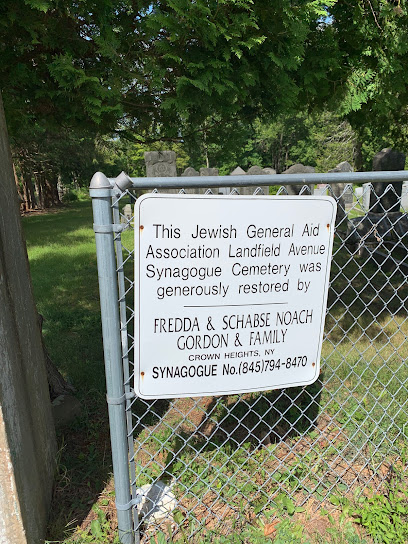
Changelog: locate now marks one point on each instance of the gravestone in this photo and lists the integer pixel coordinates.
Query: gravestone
(320, 189)
(213, 172)
(358, 192)
(384, 224)
(340, 190)
(348, 196)
(269, 171)
(255, 171)
(366, 196)
(404, 197)
(160, 164)
(342, 167)
(190, 172)
(343, 193)
(127, 214)
(386, 198)
(208, 171)
(378, 229)
(60, 189)
(238, 171)
(298, 168)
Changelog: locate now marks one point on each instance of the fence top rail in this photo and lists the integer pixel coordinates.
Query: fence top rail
(123, 181)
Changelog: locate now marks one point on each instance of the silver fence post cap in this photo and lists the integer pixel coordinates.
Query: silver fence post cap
(99, 181)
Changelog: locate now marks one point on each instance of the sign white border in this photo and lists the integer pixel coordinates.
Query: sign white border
(246, 201)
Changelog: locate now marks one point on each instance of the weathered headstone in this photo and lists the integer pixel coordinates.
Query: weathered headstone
(358, 192)
(404, 196)
(343, 193)
(127, 214)
(208, 171)
(348, 196)
(366, 196)
(320, 189)
(190, 172)
(373, 229)
(253, 171)
(298, 168)
(160, 164)
(256, 171)
(339, 189)
(60, 189)
(269, 171)
(213, 172)
(386, 198)
(342, 167)
(238, 171)
(384, 223)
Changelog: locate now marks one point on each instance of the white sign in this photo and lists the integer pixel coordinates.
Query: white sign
(230, 292)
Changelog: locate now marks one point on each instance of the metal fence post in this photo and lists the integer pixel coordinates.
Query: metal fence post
(103, 227)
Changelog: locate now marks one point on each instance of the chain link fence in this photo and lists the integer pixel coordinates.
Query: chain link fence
(209, 463)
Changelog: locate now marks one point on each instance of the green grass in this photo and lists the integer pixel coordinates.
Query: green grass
(62, 258)
(362, 391)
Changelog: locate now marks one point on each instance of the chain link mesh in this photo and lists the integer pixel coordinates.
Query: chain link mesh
(208, 462)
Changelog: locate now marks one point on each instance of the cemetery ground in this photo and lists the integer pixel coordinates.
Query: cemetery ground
(272, 493)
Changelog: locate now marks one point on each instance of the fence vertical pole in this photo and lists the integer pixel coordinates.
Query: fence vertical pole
(108, 290)
(125, 358)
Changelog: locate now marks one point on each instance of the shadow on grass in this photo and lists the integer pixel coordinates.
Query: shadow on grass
(229, 423)
(363, 294)
(271, 417)
(72, 333)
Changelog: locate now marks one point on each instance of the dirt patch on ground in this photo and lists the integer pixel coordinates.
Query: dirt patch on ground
(317, 464)
(29, 213)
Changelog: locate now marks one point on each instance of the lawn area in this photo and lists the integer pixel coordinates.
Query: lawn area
(327, 445)
(62, 257)
(61, 250)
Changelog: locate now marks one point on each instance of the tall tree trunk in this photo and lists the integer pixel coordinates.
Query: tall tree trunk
(45, 189)
(20, 190)
(39, 187)
(53, 182)
(358, 156)
(30, 187)
(26, 197)
(207, 160)
(49, 181)
(29, 193)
